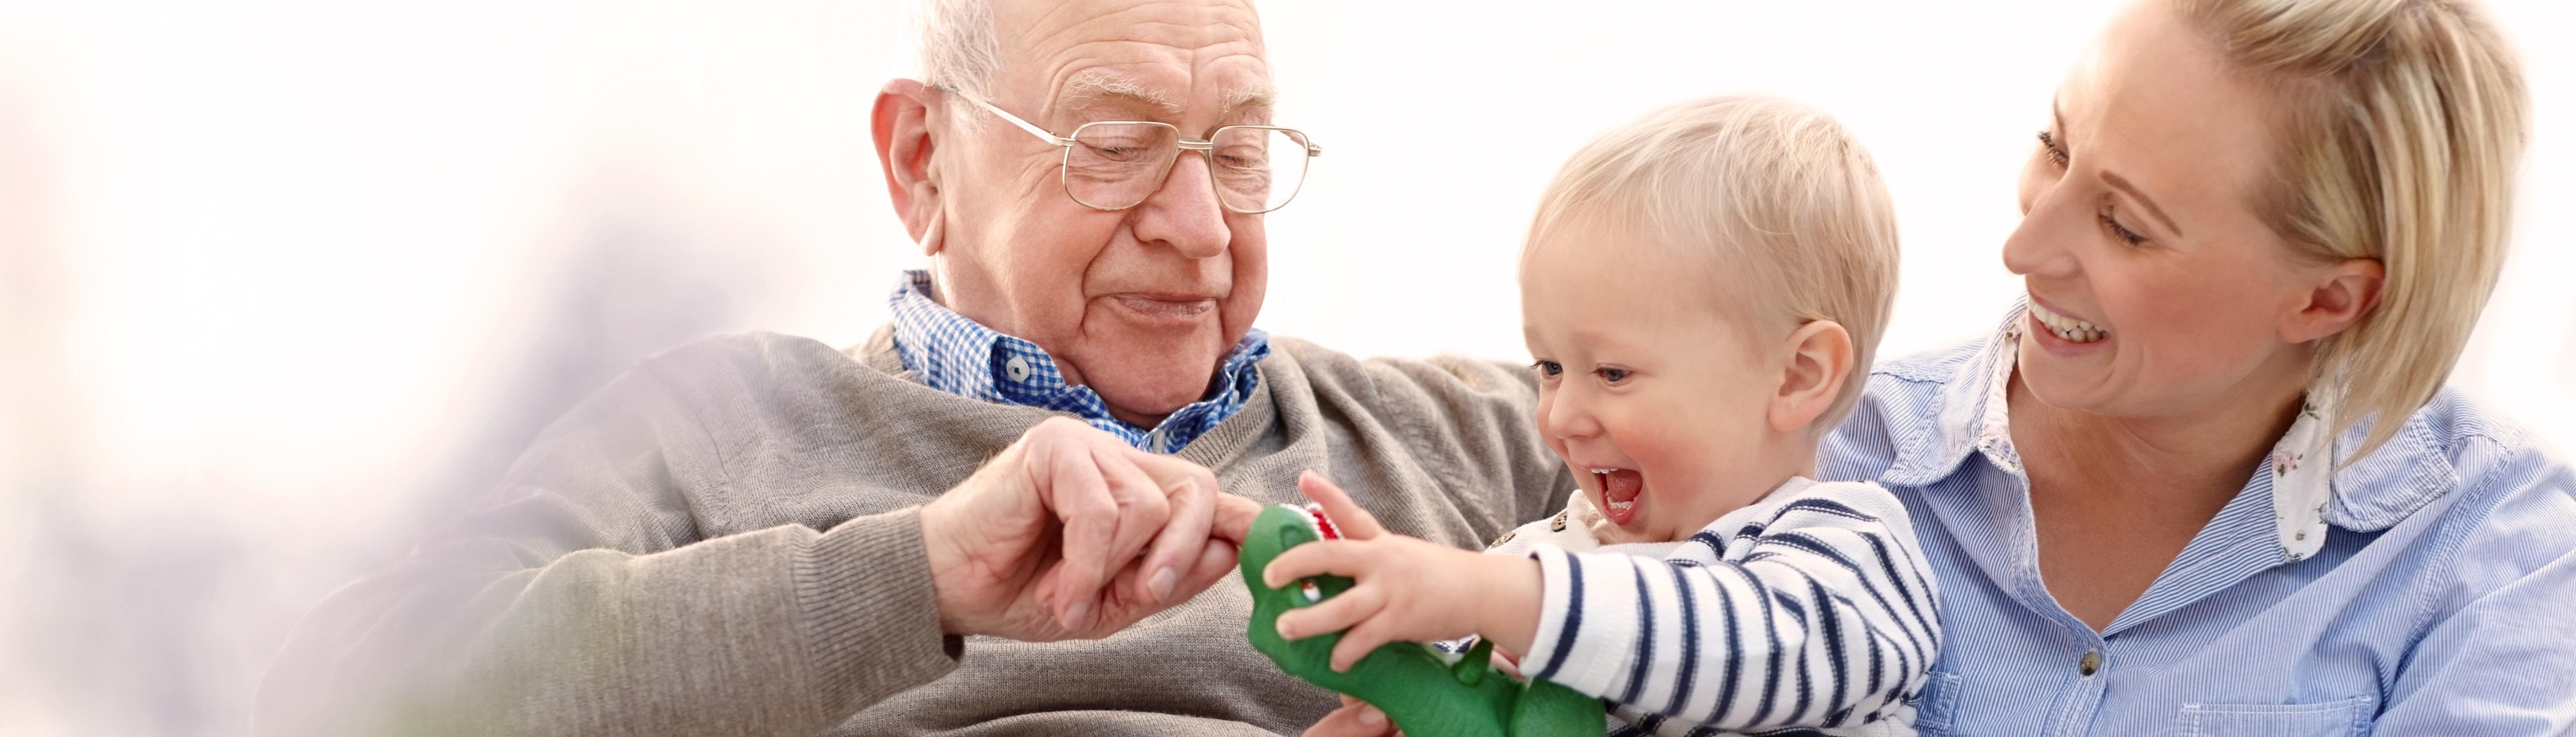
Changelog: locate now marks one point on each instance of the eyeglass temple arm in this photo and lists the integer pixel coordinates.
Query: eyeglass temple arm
(997, 112)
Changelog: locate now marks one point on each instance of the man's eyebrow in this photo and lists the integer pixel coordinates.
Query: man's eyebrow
(1246, 99)
(1095, 86)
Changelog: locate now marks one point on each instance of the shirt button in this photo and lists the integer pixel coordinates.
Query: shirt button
(1018, 368)
(2091, 662)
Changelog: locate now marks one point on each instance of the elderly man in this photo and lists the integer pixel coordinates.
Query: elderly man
(762, 535)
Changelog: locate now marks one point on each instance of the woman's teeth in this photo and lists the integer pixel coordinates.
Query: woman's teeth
(2071, 329)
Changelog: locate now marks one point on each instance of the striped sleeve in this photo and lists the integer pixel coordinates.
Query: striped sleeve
(1813, 608)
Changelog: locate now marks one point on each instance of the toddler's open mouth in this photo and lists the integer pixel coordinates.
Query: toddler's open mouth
(1621, 491)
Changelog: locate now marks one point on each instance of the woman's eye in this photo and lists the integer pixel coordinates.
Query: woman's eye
(1613, 375)
(2056, 153)
(2122, 232)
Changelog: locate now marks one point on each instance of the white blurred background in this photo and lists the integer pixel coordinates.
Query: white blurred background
(284, 282)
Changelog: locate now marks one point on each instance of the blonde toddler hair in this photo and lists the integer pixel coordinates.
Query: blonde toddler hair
(1777, 204)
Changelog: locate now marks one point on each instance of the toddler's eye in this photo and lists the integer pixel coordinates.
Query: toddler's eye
(1613, 375)
(1548, 368)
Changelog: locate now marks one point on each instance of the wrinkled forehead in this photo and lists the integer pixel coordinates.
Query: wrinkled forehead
(1161, 60)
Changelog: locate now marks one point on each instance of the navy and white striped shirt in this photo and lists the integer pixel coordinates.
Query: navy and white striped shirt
(1811, 610)
(960, 356)
(2435, 601)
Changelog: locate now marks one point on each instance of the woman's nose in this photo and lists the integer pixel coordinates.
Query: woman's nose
(2045, 242)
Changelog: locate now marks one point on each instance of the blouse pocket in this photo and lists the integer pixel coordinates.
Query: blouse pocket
(2345, 718)
(1936, 709)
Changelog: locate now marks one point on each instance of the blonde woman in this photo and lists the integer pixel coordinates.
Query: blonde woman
(2208, 481)
(2205, 480)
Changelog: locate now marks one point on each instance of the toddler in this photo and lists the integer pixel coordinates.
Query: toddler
(1702, 290)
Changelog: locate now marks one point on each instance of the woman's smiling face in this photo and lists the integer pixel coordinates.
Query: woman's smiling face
(2156, 287)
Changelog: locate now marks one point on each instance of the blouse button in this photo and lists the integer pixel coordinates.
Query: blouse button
(2091, 662)
(1018, 368)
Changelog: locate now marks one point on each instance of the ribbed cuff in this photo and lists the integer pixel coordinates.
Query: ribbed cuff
(871, 616)
(1586, 624)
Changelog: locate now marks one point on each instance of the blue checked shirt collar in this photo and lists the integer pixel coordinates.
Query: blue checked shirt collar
(957, 355)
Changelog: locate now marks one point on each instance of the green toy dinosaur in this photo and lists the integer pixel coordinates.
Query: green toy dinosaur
(1427, 692)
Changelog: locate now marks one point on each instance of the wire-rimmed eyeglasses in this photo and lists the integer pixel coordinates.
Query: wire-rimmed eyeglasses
(1115, 164)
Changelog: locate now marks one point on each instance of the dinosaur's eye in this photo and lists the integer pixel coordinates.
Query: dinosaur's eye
(1312, 592)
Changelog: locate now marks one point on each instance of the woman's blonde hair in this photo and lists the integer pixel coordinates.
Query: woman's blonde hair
(2403, 121)
(1774, 202)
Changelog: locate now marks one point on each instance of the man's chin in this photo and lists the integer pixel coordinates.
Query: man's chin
(1152, 385)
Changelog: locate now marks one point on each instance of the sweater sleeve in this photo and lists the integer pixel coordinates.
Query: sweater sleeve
(1815, 610)
(580, 600)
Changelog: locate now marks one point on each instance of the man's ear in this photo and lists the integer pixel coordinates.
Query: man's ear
(1820, 357)
(902, 128)
(2347, 291)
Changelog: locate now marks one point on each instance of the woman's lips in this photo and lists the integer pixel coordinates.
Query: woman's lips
(2066, 326)
(2056, 344)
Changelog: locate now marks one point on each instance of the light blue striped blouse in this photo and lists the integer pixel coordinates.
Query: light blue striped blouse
(2442, 602)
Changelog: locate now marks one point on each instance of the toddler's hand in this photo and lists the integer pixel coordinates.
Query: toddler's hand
(1507, 662)
(1408, 588)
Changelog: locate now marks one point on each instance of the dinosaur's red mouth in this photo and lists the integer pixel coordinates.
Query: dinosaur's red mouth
(1323, 524)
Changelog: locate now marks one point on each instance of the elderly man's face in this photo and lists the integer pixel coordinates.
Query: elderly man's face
(1140, 304)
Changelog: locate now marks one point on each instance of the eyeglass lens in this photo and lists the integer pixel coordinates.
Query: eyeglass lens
(1117, 165)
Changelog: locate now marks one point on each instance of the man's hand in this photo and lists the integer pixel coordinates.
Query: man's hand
(1355, 719)
(1070, 533)
(1408, 588)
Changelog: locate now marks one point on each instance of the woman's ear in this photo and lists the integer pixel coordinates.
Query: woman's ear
(901, 124)
(1820, 357)
(2344, 294)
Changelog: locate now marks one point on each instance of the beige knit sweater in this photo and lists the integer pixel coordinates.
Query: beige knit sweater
(724, 542)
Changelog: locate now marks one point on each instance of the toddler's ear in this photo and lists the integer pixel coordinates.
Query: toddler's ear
(1820, 356)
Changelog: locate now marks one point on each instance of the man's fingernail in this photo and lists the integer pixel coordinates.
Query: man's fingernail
(1162, 584)
(1369, 715)
(1074, 618)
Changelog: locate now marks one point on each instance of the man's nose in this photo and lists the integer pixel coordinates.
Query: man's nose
(1185, 213)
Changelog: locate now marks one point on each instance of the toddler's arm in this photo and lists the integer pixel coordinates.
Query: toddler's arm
(1810, 609)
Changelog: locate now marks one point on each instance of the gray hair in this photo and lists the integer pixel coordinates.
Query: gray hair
(957, 44)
